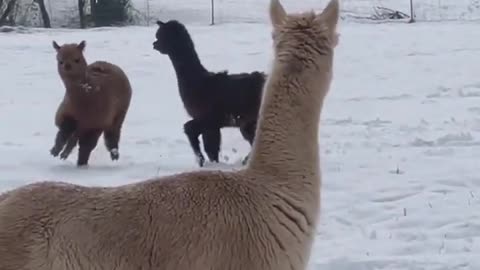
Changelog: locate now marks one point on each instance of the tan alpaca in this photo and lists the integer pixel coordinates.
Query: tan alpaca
(261, 218)
(96, 101)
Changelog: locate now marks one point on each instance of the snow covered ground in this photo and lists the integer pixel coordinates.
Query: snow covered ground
(400, 133)
(253, 10)
(64, 13)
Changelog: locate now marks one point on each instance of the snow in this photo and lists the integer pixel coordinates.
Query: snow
(399, 132)
(144, 12)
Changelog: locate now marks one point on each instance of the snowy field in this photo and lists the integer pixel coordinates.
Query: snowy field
(400, 132)
(145, 12)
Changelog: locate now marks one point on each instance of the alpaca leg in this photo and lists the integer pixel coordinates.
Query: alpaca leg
(112, 136)
(248, 132)
(193, 129)
(65, 130)
(71, 143)
(211, 143)
(87, 142)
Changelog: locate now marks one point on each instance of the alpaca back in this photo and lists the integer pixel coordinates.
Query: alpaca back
(239, 94)
(191, 221)
(112, 80)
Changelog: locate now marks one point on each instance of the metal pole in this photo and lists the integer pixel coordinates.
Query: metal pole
(412, 19)
(148, 12)
(212, 11)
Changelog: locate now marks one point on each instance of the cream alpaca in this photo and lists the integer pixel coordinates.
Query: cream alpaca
(260, 218)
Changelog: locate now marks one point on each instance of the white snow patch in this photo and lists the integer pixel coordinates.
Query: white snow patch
(386, 202)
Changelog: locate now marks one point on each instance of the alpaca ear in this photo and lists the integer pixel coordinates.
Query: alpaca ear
(160, 23)
(277, 13)
(331, 14)
(81, 45)
(55, 45)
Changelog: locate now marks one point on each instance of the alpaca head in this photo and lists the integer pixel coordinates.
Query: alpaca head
(70, 60)
(304, 40)
(172, 37)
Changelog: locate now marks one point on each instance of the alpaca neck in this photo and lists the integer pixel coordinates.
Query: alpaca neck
(187, 64)
(75, 85)
(287, 135)
(72, 81)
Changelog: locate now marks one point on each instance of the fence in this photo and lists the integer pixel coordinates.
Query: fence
(65, 13)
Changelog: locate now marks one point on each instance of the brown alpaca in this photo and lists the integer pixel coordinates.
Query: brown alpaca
(260, 218)
(96, 101)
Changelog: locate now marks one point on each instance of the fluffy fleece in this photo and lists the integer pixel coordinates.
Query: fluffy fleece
(213, 99)
(263, 217)
(97, 98)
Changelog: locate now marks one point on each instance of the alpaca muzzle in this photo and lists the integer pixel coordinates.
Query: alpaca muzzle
(158, 47)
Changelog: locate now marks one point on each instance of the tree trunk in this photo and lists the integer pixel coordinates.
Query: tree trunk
(43, 10)
(93, 10)
(81, 13)
(8, 10)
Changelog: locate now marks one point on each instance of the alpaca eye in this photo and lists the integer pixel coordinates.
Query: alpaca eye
(60, 62)
(77, 60)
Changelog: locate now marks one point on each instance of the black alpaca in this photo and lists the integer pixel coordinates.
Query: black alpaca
(213, 99)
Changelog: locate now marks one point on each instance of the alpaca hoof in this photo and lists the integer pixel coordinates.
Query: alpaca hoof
(55, 151)
(82, 164)
(64, 155)
(200, 160)
(245, 160)
(213, 157)
(214, 160)
(114, 154)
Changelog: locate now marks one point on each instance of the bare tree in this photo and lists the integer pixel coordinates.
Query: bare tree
(81, 13)
(43, 10)
(7, 11)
